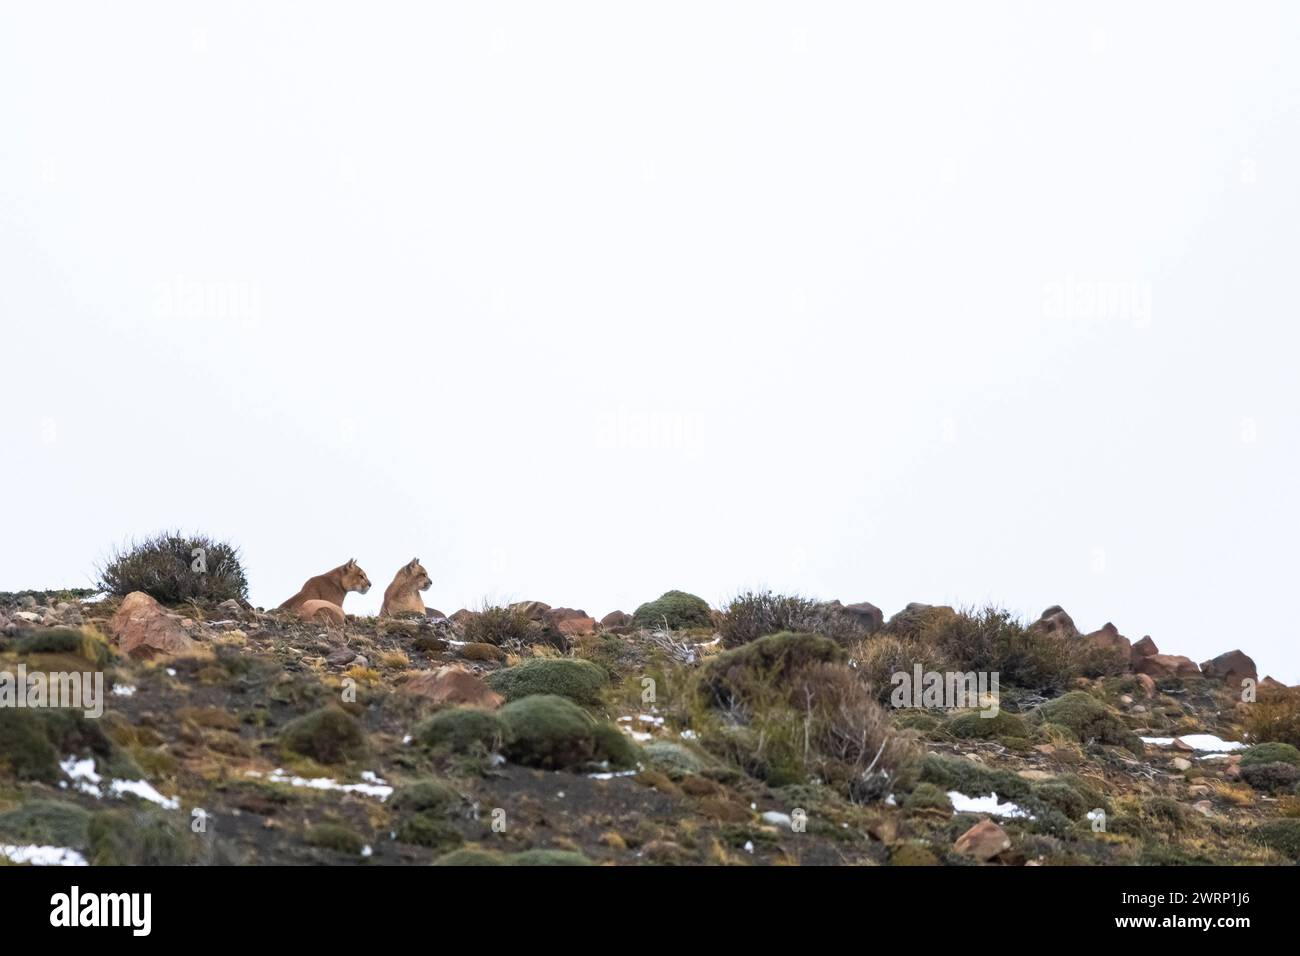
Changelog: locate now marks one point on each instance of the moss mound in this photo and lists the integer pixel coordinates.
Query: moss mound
(927, 798)
(1271, 753)
(471, 856)
(336, 837)
(32, 742)
(578, 680)
(1089, 720)
(733, 675)
(46, 823)
(63, 640)
(1282, 836)
(677, 609)
(424, 796)
(462, 730)
(552, 732)
(328, 735)
(137, 838)
(976, 725)
(549, 858)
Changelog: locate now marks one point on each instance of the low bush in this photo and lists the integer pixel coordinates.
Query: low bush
(579, 680)
(551, 732)
(174, 568)
(676, 610)
(462, 730)
(329, 735)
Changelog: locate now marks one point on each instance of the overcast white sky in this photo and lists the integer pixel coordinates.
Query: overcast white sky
(580, 302)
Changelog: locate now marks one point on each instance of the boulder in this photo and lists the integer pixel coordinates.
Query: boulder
(1110, 639)
(461, 617)
(570, 622)
(453, 687)
(916, 617)
(616, 619)
(983, 841)
(533, 610)
(1144, 648)
(1056, 622)
(145, 629)
(867, 614)
(1166, 665)
(1272, 684)
(1147, 683)
(1232, 667)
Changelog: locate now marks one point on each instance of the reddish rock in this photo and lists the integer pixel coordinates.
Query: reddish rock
(1166, 665)
(1144, 648)
(1272, 684)
(570, 622)
(461, 617)
(1148, 685)
(983, 841)
(145, 629)
(453, 687)
(616, 619)
(1110, 639)
(1056, 622)
(1232, 667)
(533, 610)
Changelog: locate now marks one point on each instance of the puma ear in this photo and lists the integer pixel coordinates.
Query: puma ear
(414, 562)
(352, 562)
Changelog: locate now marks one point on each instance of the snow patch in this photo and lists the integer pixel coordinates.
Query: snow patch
(42, 855)
(1206, 743)
(374, 785)
(989, 804)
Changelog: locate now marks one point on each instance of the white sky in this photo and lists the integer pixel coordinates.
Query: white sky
(579, 302)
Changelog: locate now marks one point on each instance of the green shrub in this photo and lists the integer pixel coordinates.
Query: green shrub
(927, 798)
(674, 609)
(973, 779)
(732, 675)
(544, 730)
(471, 856)
(423, 796)
(173, 568)
(462, 730)
(976, 725)
(336, 837)
(32, 742)
(549, 858)
(674, 759)
(1282, 836)
(328, 735)
(1272, 752)
(574, 678)
(1063, 797)
(912, 853)
(137, 838)
(46, 823)
(1089, 720)
(63, 640)
(1275, 715)
(992, 640)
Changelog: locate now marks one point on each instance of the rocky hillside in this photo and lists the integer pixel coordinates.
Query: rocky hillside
(765, 733)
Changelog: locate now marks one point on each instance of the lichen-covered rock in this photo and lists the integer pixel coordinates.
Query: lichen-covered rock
(144, 629)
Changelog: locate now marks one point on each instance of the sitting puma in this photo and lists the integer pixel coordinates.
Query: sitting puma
(331, 586)
(403, 595)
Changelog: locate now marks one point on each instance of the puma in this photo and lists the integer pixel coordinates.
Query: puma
(322, 612)
(332, 586)
(403, 595)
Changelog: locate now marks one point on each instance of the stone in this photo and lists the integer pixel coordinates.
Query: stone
(1181, 764)
(452, 686)
(1166, 665)
(144, 629)
(1232, 667)
(866, 614)
(1147, 683)
(983, 841)
(616, 619)
(1056, 622)
(1143, 648)
(1108, 638)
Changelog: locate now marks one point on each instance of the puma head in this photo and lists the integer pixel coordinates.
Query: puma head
(416, 574)
(354, 579)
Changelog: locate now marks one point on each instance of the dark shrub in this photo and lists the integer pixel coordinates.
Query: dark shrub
(554, 733)
(462, 730)
(500, 626)
(574, 678)
(673, 609)
(328, 735)
(63, 640)
(992, 640)
(755, 614)
(1275, 715)
(1282, 836)
(1271, 777)
(32, 742)
(137, 838)
(769, 659)
(167, 568)
(336, 837)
